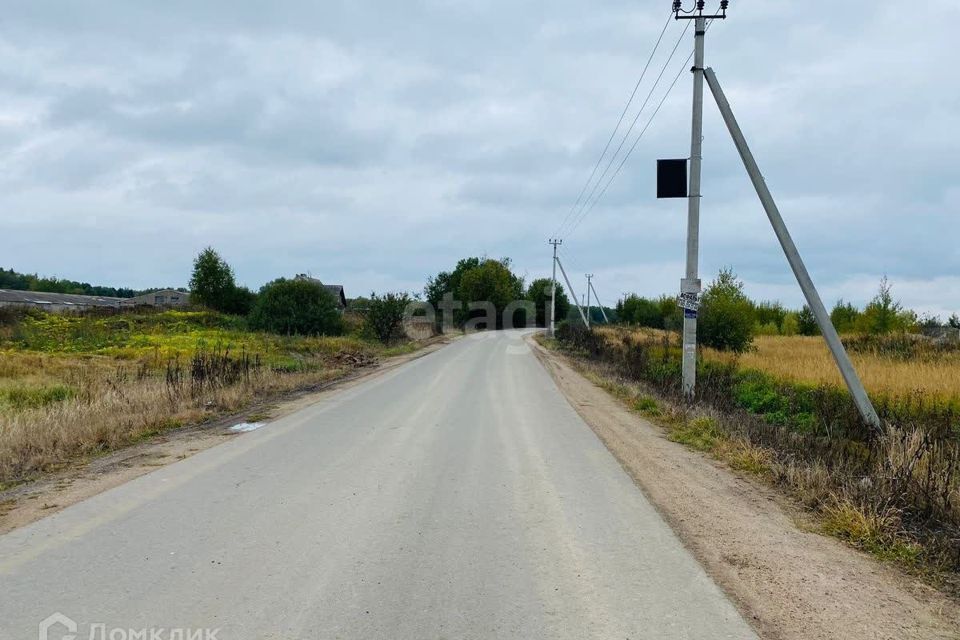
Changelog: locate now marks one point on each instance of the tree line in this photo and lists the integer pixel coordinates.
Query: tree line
(728, 319)
(10, 279)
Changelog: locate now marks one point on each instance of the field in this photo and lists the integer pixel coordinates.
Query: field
(806, 359)
(779, 413)
(72, 386)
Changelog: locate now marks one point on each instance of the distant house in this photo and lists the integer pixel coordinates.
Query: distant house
(56, 302)
(336, 290)
(162, 298)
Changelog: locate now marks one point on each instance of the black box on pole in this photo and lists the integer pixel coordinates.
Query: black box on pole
(672, 178)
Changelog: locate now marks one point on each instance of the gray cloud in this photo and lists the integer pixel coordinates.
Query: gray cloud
(376, 143)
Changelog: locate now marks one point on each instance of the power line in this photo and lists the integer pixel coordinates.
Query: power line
(576, 218)
(587, 211)
(613, 134)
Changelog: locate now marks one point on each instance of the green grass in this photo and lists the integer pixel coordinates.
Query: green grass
(646, 405)
(701, 433)
(49, 358)
(870, 532)
(23, 397)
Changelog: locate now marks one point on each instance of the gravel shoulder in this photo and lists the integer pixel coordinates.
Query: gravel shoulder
(788, 581)
(27, 503)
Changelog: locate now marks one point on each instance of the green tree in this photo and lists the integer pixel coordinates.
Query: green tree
(642, 312)
(954, 321)
(672, 314)
(212, 283)
(296, 307)
(726, 314)
(844, 316)
(884, 314)
(791, 325)
(493, 282)
(807, 322)
(768, 313)
(240, 301)
(539, 293)
(384, 315)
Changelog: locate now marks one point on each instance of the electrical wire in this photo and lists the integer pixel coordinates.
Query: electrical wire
(613, 134)
(633, 124)
(593, 204)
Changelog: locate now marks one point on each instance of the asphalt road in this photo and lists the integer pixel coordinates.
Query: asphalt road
(457, 496)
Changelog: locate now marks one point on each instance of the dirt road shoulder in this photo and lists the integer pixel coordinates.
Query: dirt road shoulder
(788, 582)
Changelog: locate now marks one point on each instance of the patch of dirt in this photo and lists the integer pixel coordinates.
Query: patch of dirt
(29, 502)
(787, 581)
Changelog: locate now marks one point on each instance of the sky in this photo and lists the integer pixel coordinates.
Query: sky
(372, 144)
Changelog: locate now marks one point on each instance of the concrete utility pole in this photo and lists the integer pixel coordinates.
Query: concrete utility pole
(860, 397)
(573, 294)
(589, 288)
(553, 281)
(690, 285)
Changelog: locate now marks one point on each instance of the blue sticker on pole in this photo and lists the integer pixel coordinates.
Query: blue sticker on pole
(690, 313)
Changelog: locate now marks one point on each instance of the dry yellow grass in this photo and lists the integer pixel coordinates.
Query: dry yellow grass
(807, 359)
(110, 413)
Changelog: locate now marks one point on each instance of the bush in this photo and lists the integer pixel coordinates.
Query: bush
(385, 315)
(240, 301)
(726, 315)
(296, 307)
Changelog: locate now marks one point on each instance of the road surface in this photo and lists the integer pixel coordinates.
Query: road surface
(458, 496)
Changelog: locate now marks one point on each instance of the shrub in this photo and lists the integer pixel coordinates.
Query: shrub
(296, 307)
(384, 316)
(726, 315)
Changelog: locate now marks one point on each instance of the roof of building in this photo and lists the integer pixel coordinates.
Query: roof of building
(162, 292)
(43, 298)
(336, 290)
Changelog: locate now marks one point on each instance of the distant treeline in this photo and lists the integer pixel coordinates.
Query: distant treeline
(729, 319)
(10, 279)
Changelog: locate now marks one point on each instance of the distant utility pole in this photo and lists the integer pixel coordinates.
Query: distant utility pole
(589, 288)
(690, 285)
(553, 284)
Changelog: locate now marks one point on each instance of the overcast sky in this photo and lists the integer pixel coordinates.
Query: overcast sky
(375, 143)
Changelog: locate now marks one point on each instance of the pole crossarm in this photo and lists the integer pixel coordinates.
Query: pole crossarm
(850, 377)
(572, 292)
